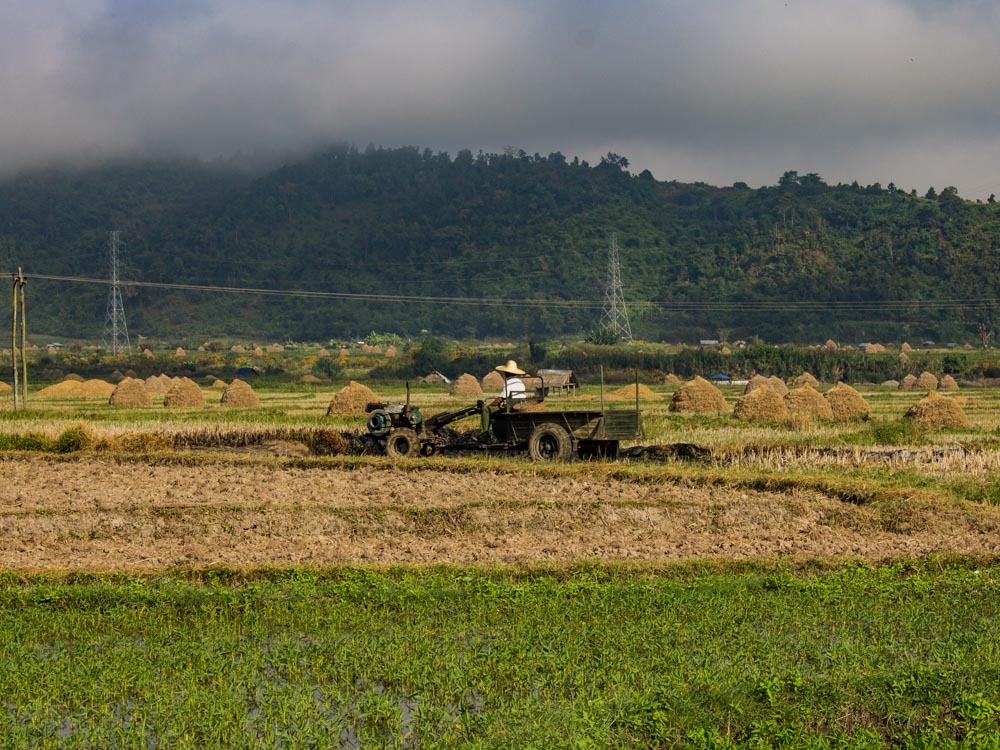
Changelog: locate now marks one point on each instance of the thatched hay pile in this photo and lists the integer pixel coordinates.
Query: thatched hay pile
(493, 381)
(757, 381)
(344, 352)
(465, 385)
(927, 381)
(725, 351)
(322, 353)
(830, 345)
(761, 405)
(698, 396)
(158, 385)
(909, 382)
(627, 393)
(240, 395)
(967, 346)
(934, 410)
(905, 347)
(778, 385)
(350, 401)
(147, 354)
(184, 393)
(179, 352)
(805, 402)
(117, 376)
(874, 349)
(892, 384)
(806, 378)
(218, 385)
(76, 389)
(201, 348)
(130, 392)
(310, 378)
(238, 348)
(672, 379)
(258, 352)
(948, 383)
(4, 386)
(275, 349)
(847, 403)
(391, 351)
(903, 359)
(74, 376)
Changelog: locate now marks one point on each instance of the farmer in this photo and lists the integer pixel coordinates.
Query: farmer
(513, 386)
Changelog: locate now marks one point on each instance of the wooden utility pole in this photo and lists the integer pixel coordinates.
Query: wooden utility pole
(20, 374)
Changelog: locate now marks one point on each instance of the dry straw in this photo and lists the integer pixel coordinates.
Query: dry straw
(891, 384)
(671, 379)
(778, 385)
(830, 345)
(130, 392)
(905, 347)
(493, 381)
(184, 393)
(807, 403)
(179, 352)
(465, 385)
(936, 411)
(350, 401)
(806, 378)
(323, 353)
(310, 378)
(757, 381)
(627, 393)
(698, 396)
(948, 383)
(76, 389)
(927, 381)
(218, 384)
(239, 394)
(74, 376)
(761, 404)
(847, 403)
(909, 382)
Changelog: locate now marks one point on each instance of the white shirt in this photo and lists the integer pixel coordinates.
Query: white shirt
(513, 388)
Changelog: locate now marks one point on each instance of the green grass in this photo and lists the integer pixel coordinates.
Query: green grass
(590, 657)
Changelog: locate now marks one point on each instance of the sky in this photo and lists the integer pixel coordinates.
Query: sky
(901, 91)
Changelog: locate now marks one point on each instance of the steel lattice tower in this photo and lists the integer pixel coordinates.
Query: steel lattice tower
(614, 317)
(115, 330)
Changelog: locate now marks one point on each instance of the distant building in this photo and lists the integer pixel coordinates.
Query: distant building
(709, 342)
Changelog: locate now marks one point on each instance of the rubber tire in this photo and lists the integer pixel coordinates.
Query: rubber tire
(550, 442)
(402, 443)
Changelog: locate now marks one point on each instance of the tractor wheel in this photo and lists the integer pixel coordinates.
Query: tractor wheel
(402, 443)
(550, 442)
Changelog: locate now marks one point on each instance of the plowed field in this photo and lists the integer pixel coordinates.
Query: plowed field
(101, 515)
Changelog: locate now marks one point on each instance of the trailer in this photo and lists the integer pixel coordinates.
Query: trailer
(507, 425)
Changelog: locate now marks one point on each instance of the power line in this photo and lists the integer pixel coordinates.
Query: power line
(677, 306)
(614, 317)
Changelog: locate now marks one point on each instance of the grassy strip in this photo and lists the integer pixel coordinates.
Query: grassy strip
(589, 657)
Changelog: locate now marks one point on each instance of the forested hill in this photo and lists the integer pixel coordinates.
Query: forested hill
(797, 261)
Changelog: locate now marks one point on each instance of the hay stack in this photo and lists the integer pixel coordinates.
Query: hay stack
(238, 349)
(761, 404)
(757, 381)
(874, 349)
(258, 352)
(905, 347)
(967, 346)
(903, 359)
(147, 354)
(465, 385)
(4, 386)
(240, 395)
(117, 376)
(672, 379)
(310, 378)
(322, 353)
(907, 383)
(806, 378)
(936, 411)
(805, 402)
(158, 385)
(130, 392)
(778, 385)
(179, 352)
(275, 349)
(892, 384)
(627, 393)
(847, 403)
(830, 345)
(74, 376)
(350, 401)
(948, 383)
(218, 384)
(698, 396)
(76, 389)
(927, 381)
(345, 352)
(391, 351)
(493, 381)
(184, 393)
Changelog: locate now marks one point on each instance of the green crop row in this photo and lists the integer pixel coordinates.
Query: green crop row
(902, 656)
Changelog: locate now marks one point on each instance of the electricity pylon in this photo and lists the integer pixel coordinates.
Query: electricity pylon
(115, 330)
(614, 317)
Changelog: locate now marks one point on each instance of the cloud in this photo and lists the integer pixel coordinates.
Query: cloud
(876, 90)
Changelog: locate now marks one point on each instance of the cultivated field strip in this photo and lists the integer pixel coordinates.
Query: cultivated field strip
(98, 514)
